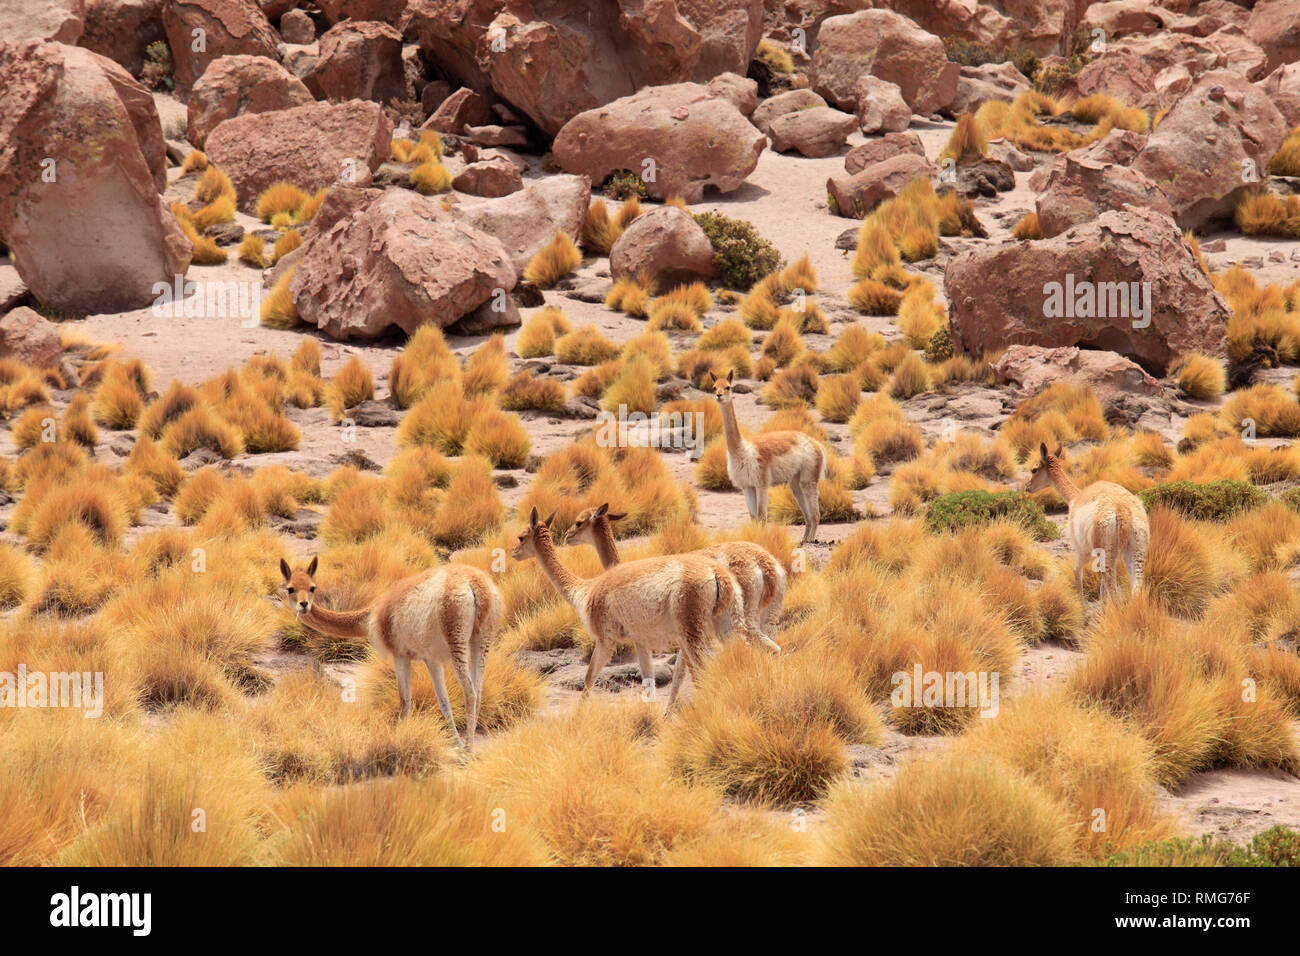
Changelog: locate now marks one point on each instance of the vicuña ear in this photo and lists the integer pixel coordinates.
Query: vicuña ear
(1042, 450)
(551, 518)
(311, 568)
(284, 569)
(602, 509)
(617, 517)
(1059, 450)
(731, 375)
(532, 519)
(707, 382)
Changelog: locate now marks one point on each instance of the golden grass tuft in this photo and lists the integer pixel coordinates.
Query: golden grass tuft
(585, 345)
(556, 260)
(967, 141)
(279, 197)
(279, 311)
(1027, 227)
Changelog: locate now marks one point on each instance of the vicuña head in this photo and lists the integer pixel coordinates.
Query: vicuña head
(585, 528)
(1041, 477)
(527, 546)
(299, 587)
(722, 387)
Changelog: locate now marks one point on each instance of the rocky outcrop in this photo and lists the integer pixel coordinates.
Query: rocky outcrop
(1282, 87)
(526, 221)
(400, 261)
(70, 154)
(1032, 368)
(878, 150)
(854, 196)
(1082, 189)
(1275, 26)
(224, 27)
(791, 101)
(881, 107)
(886, 45)
(815, 132)
(1214, 142)
(235, 85)
(310, 146)
(29, 337)
(1126, 282)
(359, 60)
(977, 85)
(678, 138)
(122, 29)
(57, 21)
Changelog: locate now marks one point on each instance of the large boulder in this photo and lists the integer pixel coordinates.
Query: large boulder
(881, 107)
(58, 21)
(122, 29)
(1032, 368)
(977, 85)
(400, 261)
(526, 221)
(1084, 188)
(666, 244)
(554, 59)
(385, 11)
(855, 195)
(359, 60)
(310, 146)
(492, 178)
(1126, 282)
(1275, 26)
(1282, 87)
(814, 132)
(878, 150)
(29, 337)
(890, 46)
(1119, 146)
(236, 85)
(1213, 143)
(1043, 26)
(791, 101)
(200, 31)
(141, 110)
(96, 237)
(1226, 49)
(459, 110)
(1118, 73)
(678, 138)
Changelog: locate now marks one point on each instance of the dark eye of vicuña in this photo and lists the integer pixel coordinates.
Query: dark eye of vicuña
(290, 590)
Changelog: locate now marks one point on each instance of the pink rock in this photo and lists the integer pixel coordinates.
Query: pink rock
(1032, 368)
(122, 29)
(1078, 289)
(1275, 26)
(856, 195)
(143, 113)
(433, 95)
(310, 146)
(1081, 189)
(490, 178)
(54, 100)
(1207, 150)
(59, 21)
(526, 221)
(29, 337)
(991, 82)
(666, 244)
(814, 132)
(497, 135)
(878, 150)
(1282, 86)
(1004, 152)
(359, 60)
(887, 45)
(881, 107)
(237, 85)
(740, 90)
(1119, 73)
(790, 101)
(297, 27)
(1117, 18)
(383, 11)
(688, 138)
(1119, 146)
(399, 261)
(227, 27)
(460, 109)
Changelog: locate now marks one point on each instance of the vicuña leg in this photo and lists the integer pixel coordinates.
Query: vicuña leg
(762, 504)
(600, 655)
(812, 513)
(1137, 563)
(751, 502)
(444, 702)
(470, 693)
(647, 670)
(402, 666)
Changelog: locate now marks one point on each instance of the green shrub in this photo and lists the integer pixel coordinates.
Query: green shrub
(963, 509)
(157, 71)
(623, 184)
(939, 348)
(740, 254)
(1212, 501)
(973, 53)
(1276, 846)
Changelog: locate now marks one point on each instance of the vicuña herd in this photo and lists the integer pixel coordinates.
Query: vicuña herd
(452, 613)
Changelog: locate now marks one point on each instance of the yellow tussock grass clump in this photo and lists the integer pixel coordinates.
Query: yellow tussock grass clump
(1199, 376)
(586, 345)
(290, 241)
(556, 260)
(1027, 227)
(212, 185)
(431, 178)
(252, 251)
(527, 390)
(352, 385)
(600, 230)
(967, 141)
(278, 310)
(195, 162)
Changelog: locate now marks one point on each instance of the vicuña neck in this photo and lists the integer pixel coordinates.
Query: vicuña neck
(350, 624)
(1066, 488)
(606, 548)
(565, 581)
(730, 427)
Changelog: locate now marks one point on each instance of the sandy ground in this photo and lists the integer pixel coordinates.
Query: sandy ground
(786, 199)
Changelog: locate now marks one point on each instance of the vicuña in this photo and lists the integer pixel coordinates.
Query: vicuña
(449, 613)
(651, 604)
(760, 575)
(1105, 520)
(772, 458)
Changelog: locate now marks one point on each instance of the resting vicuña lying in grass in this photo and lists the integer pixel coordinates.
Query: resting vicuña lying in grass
(447, 614)
(760, 576)
(1106, 521)
(773, 458)
(652, 603)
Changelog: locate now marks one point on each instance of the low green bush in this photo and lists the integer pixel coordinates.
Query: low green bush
(964, 509)
(1211, 501)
